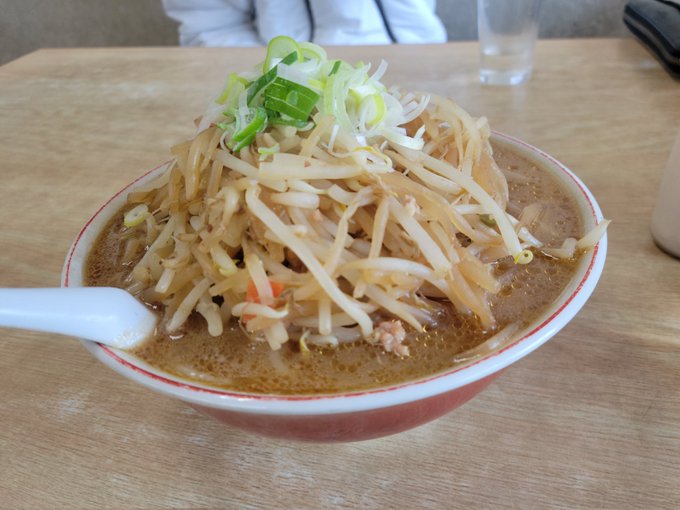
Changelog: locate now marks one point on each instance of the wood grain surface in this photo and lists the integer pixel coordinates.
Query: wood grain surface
(590, 420)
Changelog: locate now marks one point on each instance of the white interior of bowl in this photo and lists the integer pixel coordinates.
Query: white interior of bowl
(523, 342)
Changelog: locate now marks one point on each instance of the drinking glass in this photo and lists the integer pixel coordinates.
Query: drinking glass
(507, 34)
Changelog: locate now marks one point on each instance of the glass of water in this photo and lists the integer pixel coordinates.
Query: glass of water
(507, 34)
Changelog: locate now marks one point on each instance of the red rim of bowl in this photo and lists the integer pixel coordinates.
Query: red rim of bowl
(234, 400)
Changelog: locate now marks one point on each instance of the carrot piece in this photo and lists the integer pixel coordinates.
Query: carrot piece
(251, 292)
(253, 297)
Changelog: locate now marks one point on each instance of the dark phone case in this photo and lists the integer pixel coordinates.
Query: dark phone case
(656, 23)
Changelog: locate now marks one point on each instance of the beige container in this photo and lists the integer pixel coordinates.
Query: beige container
(666, 218)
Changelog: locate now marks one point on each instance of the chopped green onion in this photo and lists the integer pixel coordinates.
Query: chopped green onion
(300, 125)
(246, 135)
(335, 99)
(281, 106)
(317, 84)
(380, 109)
(335, 68)
(362, 92)
(260, 84)
(313, 51)
(269, 150)
(279, 47)
(244, 143)
(235, 86)
(231, 116)
(263, 81)
(289, 98)
(136, 215)
(297, 82)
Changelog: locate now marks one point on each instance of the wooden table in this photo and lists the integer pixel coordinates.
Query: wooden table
(592, 419)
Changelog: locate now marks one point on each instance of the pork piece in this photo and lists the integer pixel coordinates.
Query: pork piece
(391, 334)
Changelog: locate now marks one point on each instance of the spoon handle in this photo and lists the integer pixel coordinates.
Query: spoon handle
(104, 314)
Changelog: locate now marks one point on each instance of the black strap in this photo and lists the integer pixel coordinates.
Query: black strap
(311, 20)
(378, 4)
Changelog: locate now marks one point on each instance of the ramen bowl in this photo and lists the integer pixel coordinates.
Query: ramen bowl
(365, 414)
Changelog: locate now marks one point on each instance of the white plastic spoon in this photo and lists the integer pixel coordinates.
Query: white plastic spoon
(104, 314)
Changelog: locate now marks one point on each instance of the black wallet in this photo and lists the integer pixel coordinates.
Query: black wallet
(656, 23)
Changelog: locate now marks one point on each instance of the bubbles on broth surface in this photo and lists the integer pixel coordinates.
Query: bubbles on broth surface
(234, 362)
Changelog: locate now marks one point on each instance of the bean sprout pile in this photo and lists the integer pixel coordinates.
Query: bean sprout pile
(319, 206)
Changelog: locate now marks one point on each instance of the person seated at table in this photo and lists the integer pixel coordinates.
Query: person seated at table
(326, 22)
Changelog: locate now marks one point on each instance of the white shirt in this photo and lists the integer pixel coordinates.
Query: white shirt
(325, 22)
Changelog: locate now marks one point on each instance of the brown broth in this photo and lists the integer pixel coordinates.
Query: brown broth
(234, 362)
